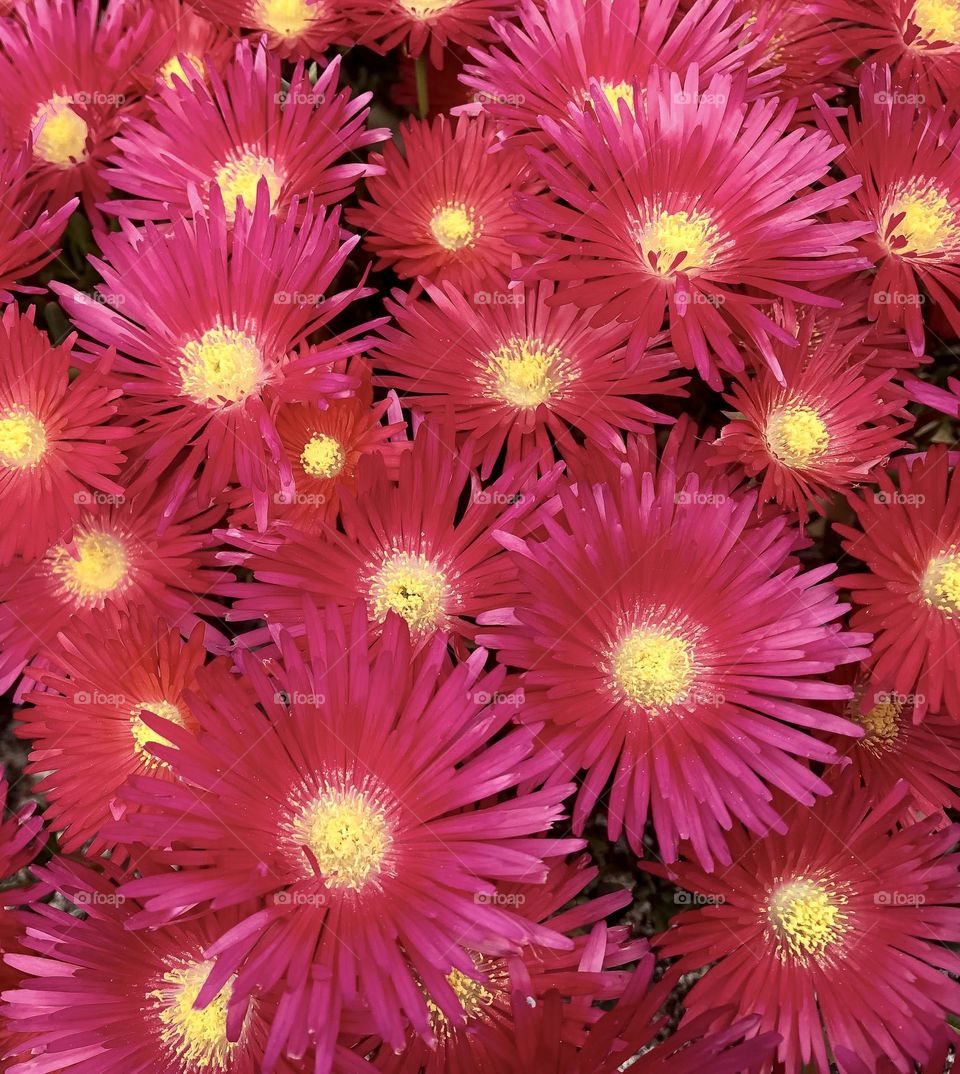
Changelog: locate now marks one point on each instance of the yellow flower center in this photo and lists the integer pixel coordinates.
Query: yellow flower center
(143, 734)
(681, 241)
(223, 366)
(23, 439)
(174, 67)
(413, 587)
(615, 92)
(940, 584)
(525, 373)
(653, 668)
(455, 226)
(197, 1040)
(322, 456)
(426, 9)
(240, 177)
(285, 18)
(474, 997)
(60, 134)
(929, 222)
(807, 916)
(881, 724)
(797, 435)
(938, 20)
(96, 567)
(348, 834)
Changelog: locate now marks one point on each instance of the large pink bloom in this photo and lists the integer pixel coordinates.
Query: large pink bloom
(835, 933)
(673, 644)
(207, 322)
(694, 204)
(357, 795)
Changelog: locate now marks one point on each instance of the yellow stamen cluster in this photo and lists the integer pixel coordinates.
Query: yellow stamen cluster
(807, 917)
(196, 1040)
(615, 92)
(285, 18)
(348, 833)
(240, 177)
(95, 568)
(929, 220)
(23, 439)
(474, 996)
(222, 367)
(797, 435)
(653, 668)
(665, 236)
(413, 587)
(938, 20)
(455, 226)
(60, 133)
(322, 456)
(526, 373)
(940, 584)
(142, 734)
(174, 68)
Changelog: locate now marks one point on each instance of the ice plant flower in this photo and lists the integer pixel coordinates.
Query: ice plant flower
(422, 546)
(58, 448)
(559, 49)
(29, 232)
(833, 932)
(908, 596)
(672, 645)
(206, 321)
(292, 28)
(180, 43)
(67, 74)
(911, 198)
(591, 971)
(344, 794)
(678, 204)
(925, 755)
(324, 446)
(822, 432)
(443, 207)
(112, 560)
(248, 125)
(142, 986)
(522, 376)
(431, 28)
(86, 724)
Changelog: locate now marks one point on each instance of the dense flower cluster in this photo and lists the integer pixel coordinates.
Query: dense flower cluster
(480, 562)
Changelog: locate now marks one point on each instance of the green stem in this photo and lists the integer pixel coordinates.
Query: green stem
(423, 93)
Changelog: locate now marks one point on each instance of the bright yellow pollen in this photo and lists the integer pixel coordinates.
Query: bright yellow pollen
(615, 92)
(98, 568)
(174, 67)
(60, 135)
(348, 835)
(322, 456)
(653, 668)
(23, 439)
(940, 584)
(667, 236)
(143, 734)
(239, 178)
(474, 997)
(285, 18)
(426, 9)
(411, 586)
(929, 221)
(806, 916)
(525, 373)
(882, 726)
(797, 435)
(197, 1040)
(938, 20)
(221, 367)
(455, 226)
